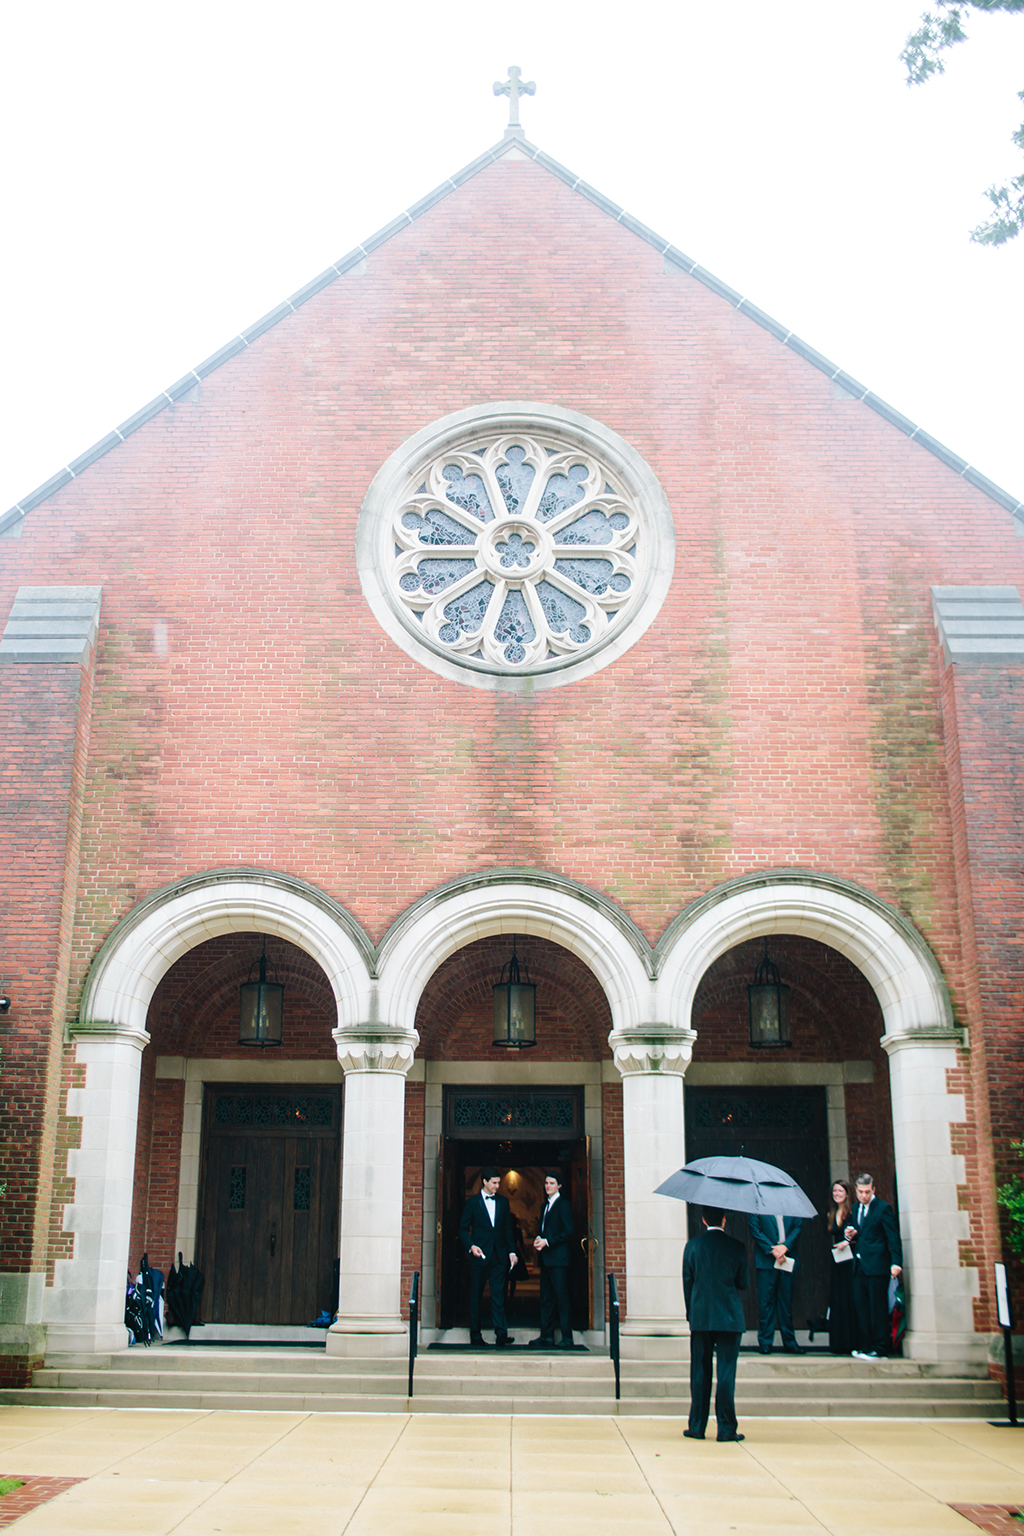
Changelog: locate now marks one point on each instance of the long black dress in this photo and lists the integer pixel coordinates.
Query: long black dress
(840, 1301)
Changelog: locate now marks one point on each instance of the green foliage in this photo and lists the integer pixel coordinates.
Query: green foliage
(922, 55)
(1011, 1197)
(8, 1485)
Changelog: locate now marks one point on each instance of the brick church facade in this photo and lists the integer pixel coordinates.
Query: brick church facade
(515, 582)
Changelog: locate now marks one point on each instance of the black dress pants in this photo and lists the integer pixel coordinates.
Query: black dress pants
(493, 1271)
(775, 1307)
(871, 1312)
(702, 1350)
(554, 1300)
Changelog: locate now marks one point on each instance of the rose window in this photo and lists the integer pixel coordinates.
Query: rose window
(515, 546)
(516, 552)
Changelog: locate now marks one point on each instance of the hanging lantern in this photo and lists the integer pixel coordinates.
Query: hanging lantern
(261, 1011)
(769, 1007)
(514, 1008)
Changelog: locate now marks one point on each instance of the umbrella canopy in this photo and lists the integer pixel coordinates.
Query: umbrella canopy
(184, 1288)
(738, 1184)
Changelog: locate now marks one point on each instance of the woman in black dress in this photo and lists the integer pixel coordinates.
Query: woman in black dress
(840, 1302)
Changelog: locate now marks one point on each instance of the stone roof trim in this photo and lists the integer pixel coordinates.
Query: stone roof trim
(979, 625)
(51, 625)
(674, 260)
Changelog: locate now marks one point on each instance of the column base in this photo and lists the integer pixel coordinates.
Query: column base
(966, 1351)
(368, 1337)
(654, 1338)
(86, 1338)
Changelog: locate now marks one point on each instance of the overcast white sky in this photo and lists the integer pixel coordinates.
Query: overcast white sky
(171, 172)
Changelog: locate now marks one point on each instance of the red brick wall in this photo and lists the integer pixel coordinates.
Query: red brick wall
(412, 1191)
(44, 725)
(983, 710)
(782, 710)
(614, 1176)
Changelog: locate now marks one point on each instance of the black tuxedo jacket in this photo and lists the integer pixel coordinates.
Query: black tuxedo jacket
(877, 1245)
(714, 1273)
(557, 1227)
(475, 1229)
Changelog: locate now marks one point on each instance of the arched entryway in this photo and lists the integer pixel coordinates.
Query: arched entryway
(523, 1112)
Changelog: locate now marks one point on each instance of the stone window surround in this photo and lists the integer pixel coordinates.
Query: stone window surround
(406, 468)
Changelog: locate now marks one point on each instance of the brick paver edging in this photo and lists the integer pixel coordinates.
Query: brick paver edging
(33, 1492)
(997, 1519)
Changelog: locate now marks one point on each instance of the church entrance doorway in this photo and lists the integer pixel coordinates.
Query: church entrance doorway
(268, 1204)
(787, 1127)
(523, 1133)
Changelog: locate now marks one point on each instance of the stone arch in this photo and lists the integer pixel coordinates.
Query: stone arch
(509, 902)
(143, 946)
(882, 944)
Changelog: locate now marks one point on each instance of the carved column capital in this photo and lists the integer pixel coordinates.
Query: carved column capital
(652, 1051)
(376, 1049)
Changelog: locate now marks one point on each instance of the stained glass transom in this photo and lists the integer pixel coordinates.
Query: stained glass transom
(513, 1112)
(546, 552)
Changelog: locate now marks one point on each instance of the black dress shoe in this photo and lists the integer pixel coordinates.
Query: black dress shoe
(762, 1351)
(694, 1434)
(478, 1341)
(542, 1343)
(503, 1340)
(793, 1349)
(728, 1439)
(567, 1344)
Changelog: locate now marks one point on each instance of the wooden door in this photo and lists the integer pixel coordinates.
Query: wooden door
(450, 1201)
(269, 1203)
(786, 1127)
(582, 1273)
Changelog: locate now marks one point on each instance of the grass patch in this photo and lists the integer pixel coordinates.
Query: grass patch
(8, 1485)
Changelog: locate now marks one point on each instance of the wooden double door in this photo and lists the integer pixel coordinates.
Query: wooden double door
(268, 1213)
(787, 1127)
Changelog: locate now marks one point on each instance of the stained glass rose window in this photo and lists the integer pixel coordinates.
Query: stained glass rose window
(515, 548)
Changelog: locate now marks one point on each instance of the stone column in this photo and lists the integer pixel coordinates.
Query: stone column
(372, 1187)
(652, 1063)
(940, 1290)
(84, 1309)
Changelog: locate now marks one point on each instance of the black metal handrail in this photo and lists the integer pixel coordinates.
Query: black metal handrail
(613, 1328)
(414, 1324)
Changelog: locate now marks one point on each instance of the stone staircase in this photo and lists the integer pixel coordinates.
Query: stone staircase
(517, 1381)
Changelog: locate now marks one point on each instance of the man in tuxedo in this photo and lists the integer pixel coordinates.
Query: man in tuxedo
(487, 1236)
(775, 1240)
(553, 1251)
(877, 1257)
(714, 1273)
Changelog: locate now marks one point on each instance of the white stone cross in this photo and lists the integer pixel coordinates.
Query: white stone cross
(513, 89)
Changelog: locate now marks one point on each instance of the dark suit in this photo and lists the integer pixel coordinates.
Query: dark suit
(496, 1241)
(556, 1225)
(774, 1286)
(876, 1248)
(714, 1273)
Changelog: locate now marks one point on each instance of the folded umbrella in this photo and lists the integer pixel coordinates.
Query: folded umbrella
(738, 1184)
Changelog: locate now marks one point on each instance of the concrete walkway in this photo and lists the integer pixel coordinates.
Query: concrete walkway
(275, 1474)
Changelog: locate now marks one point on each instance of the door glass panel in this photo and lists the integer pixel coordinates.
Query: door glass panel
(236, 1190)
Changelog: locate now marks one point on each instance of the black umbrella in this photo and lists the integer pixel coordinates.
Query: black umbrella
(184, 1288)
(738, 1184)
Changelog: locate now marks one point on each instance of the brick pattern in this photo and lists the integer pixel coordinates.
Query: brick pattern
(996, 1519)
(33, 1492)
(983, 709)
(784, 709)
(614, 1176)
(412, 1196)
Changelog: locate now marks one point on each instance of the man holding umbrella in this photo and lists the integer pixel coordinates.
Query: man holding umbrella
(714, 1273)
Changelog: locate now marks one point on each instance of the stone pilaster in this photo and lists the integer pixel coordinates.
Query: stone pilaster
(652, 1062)
(375, 1062)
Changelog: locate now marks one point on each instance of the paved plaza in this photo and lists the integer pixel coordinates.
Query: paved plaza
(151, 1472)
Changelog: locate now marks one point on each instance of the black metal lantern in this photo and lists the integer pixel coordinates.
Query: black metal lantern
(515, 1023)
(769, 1007)
(261, 1007)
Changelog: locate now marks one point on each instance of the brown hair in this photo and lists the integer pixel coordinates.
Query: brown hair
(844, 1209)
